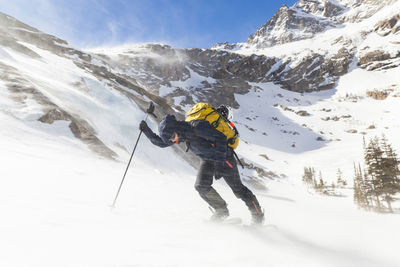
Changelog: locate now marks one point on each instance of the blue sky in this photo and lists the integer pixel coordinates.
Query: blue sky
(180, 23)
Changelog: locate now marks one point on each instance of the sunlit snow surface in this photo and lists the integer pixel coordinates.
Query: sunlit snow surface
(55, 194)
(55, 200)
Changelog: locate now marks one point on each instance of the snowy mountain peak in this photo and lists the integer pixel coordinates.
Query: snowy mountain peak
(307, 18)
(301, 21)
(325, 8)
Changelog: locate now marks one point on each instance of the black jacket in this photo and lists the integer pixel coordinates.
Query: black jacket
(203, 139)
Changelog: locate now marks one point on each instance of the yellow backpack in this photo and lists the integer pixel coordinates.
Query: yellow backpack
(204, 111)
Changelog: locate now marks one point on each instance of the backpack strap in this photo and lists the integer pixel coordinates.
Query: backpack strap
(213, 110)
(237, 158)
(194, 130)
(187, 146)
(216, 123)
(196, 112)
(232, 139)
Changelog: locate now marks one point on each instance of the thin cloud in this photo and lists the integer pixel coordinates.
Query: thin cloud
(94, 23)
(101, 22)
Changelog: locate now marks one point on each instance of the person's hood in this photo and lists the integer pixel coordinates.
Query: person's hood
(169, 125)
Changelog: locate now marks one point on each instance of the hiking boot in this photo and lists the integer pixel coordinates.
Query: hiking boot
(257, 217)
(257, 213)
(220, 215)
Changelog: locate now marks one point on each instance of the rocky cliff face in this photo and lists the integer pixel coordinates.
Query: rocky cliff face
(307, 18)
(359, 10)
(299, 22)
(183, 77)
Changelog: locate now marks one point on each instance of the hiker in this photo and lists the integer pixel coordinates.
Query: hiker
(218, 160)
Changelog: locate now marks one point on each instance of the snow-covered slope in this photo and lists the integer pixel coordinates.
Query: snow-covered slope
(69, 120)
(55, 198)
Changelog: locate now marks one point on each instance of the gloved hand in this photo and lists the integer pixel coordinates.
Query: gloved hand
(143, 126)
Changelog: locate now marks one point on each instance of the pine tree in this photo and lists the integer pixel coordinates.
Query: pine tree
(390, 173)
(310, 179)
(360, 189)
(392, 163)
(383, 173)
(320, 185)
(367, 188)
(315, 183)
(308, 176)
(373, 161)
(340, 182)
(356, 187)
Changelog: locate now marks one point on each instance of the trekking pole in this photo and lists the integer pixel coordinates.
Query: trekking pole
(150, 110)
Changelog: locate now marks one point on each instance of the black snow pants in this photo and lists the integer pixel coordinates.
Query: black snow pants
(231, 176)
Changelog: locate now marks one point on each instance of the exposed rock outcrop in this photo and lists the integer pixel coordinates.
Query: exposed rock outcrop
(389, 26)
(21, 90)
(378, 59)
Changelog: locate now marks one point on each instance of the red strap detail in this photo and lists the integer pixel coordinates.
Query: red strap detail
(230, 165)
(255, 206)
